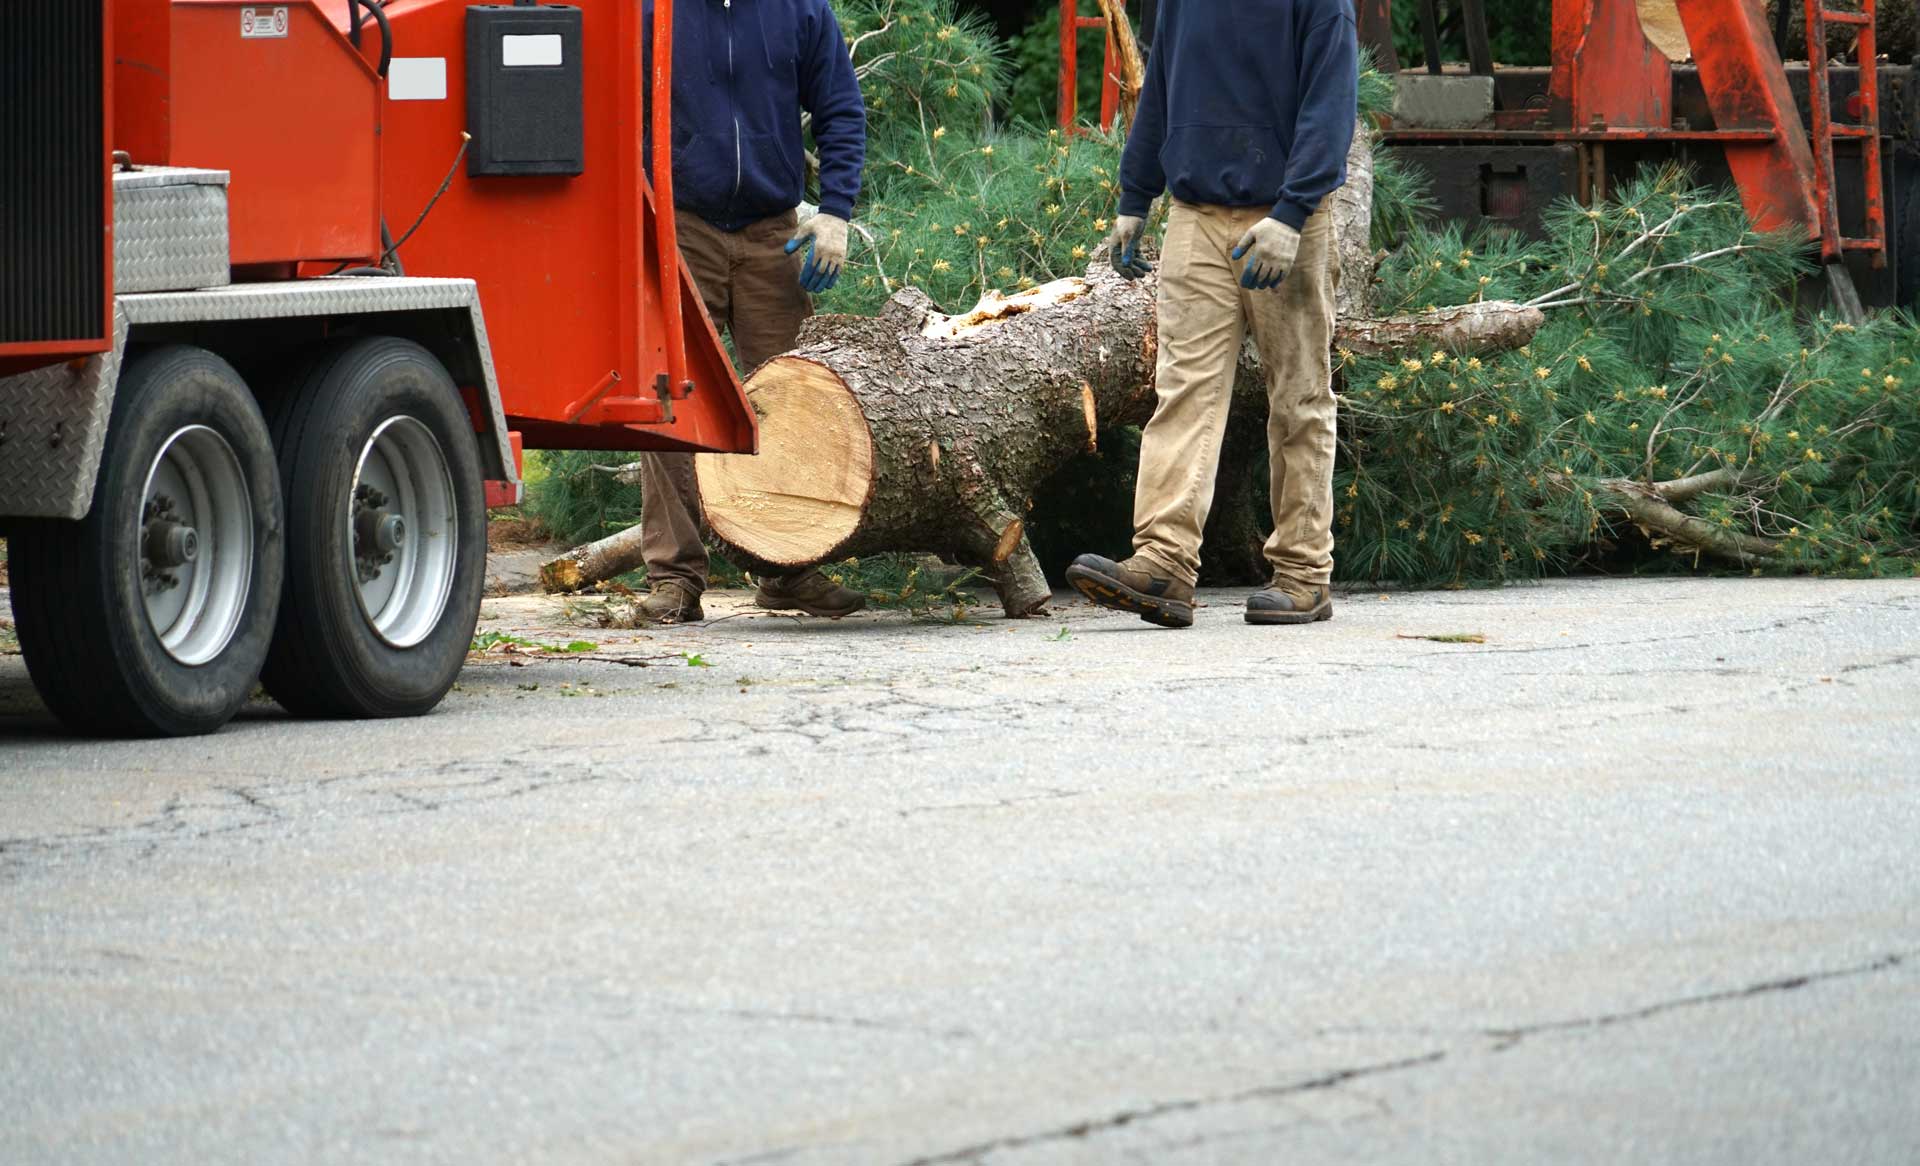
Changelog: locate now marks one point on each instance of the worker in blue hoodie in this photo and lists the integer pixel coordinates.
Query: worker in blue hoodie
(1246, 117)
(744, 74)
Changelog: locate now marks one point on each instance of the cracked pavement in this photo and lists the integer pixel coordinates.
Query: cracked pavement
(1636, 879)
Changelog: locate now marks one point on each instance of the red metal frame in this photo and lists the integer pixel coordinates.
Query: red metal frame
(1071, 25)
(1865, 129)
(666, 248)
(1605, 73)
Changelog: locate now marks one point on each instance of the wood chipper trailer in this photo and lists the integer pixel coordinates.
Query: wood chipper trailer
(251, 411)
(1827, 148)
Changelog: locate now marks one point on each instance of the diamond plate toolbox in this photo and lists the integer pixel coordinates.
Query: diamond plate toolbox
(169, 229)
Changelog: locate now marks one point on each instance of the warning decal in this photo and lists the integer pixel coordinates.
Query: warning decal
(260, 22)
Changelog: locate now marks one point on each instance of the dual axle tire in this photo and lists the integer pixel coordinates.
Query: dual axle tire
(153, 614)
(385, 532)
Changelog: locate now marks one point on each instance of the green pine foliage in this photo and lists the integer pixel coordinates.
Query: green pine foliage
(952, 204)
(970, 216)
(579, 503)
(927, 71)
(1671, 349)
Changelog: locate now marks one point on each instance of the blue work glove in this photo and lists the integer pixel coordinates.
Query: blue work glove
(1123, 247)
(826, 240)
(1269, 248)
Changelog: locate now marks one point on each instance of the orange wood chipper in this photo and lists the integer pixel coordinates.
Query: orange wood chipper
(1828, 147)
(284, 290)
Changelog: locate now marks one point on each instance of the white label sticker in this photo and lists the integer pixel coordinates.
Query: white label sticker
(417, 79)
(518, 52)
(262, 22)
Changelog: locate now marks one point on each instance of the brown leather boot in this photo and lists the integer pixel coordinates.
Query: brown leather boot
(671, 601)
(809, 591)
(1135, 585)
(1290, 601)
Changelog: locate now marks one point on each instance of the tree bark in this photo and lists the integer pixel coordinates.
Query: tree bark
(1351, 207)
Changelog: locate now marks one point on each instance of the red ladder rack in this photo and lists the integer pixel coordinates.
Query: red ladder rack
(1865, 129)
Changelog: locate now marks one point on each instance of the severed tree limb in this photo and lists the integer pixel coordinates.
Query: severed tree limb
(1133, 69)
(1490, 326)
(593, 563)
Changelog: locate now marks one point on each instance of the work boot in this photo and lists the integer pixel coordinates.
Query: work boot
(1135, 585)
(1289, 601)
(809, 591)
(670, 601)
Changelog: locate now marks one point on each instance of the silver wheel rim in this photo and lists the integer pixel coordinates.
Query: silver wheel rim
(196, 544)
(403, 531)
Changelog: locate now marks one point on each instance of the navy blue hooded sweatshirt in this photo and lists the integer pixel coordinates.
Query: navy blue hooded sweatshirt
(1246, 103)
(743, 71)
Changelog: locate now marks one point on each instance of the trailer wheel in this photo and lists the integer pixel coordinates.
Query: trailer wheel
(386, 533)
(152, 615)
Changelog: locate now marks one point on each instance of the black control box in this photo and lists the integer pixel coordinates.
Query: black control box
(525, 94)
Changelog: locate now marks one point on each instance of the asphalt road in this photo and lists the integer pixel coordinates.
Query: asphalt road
(1635, 880)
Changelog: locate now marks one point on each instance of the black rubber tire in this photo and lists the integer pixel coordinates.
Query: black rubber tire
(327, 659)
(77, 600)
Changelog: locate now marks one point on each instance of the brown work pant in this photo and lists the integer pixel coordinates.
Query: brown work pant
(752, 291)
(1204, 315)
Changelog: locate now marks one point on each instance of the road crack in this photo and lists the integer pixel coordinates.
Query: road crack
(1506, 1038)
(1127, 1117)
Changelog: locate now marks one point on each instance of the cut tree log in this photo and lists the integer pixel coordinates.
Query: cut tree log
(914, 430)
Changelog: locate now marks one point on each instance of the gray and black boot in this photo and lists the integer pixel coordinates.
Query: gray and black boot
(1290, 601)
(1135, 585)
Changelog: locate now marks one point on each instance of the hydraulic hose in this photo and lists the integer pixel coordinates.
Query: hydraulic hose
(379, 13)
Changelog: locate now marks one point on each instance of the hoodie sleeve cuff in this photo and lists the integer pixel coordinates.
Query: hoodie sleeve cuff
(1293, 214)
(1135, 203)
(839, 208)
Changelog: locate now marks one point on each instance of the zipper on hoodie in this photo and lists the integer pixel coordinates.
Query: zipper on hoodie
(733, 100)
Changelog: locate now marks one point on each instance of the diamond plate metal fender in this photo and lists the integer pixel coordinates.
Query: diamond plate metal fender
(53, 422)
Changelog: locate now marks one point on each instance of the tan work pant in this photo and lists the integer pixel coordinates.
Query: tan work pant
(752, 291)
(1204, 315)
